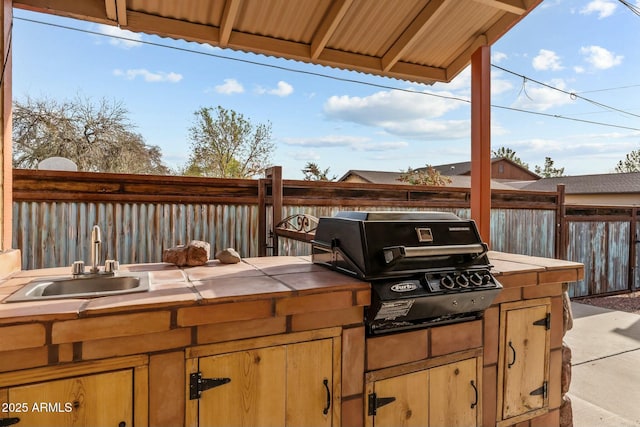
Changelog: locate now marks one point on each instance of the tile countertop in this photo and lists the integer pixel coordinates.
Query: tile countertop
(252, 279)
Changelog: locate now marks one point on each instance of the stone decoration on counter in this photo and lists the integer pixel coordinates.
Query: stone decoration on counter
(228, 256)
(193, 254)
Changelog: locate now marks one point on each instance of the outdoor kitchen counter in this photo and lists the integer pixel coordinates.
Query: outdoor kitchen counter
(256, 300)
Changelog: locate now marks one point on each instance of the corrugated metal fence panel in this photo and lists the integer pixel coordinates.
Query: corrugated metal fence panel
(523, 231)
(57, 234)
(603, 248)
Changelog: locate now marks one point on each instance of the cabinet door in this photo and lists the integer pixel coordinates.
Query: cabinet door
(453, 394)
(309, 400)
(409, 407)
(91, 400)
(254, 396)
(525, 361)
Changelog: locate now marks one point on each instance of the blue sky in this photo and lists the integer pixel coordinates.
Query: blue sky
(322, 115)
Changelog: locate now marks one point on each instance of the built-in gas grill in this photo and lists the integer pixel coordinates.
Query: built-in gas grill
(425, 268)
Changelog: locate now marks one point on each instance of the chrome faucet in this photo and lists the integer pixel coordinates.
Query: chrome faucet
(111, 266)
(96, 249)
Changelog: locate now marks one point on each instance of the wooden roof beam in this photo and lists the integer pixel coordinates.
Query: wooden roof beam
(229, 15)
(512, 6)
(86, 10)
(110, 8)
(413, 31)
(121, 11)
(328, 26)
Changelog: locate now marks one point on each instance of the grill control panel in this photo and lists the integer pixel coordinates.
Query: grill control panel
(459, 281)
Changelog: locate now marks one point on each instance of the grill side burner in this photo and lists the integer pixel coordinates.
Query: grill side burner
(425, 268)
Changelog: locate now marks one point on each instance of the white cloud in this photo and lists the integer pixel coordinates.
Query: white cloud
(404, 114)
(229, 87)
(600, 57)
(603, 8)
(497, 57)
(547, 60)
(121, 38)
(282, 90)
(308, 155)
(389, 106)
(355, 143)
(148, 76)
(542, 98)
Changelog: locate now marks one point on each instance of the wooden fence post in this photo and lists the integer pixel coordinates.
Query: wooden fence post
(274, 179)
(262, 217)
(633, 248)
(561, 224)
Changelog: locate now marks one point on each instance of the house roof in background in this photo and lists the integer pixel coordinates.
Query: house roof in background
(464, 168)
(590, 184)
(377, 177)
(419, 40)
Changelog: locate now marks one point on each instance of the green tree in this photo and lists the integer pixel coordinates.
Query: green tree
(225, 144)
(631, 163)
(97, 137)
(424, 176)
(508, 153)
(549, 171)
(312, 172)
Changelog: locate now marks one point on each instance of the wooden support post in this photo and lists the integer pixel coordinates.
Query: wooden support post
(6, 181)
(481, 141)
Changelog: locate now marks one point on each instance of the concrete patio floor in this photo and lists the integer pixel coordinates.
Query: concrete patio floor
(605, 382)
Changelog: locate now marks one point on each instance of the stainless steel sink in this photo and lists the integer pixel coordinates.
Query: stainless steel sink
(82, 287)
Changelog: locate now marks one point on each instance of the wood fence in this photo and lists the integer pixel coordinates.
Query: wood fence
(142, 215)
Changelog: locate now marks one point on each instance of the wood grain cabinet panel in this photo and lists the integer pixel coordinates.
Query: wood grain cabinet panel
(112, 393)
(253, 395)
(523, 365)
(92, 400)
(454, 394)
(446, 394)
(290, 384)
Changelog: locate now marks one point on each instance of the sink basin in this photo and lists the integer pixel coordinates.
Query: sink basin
(82, 287)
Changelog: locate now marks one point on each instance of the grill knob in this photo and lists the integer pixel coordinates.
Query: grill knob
(476, 279)
(486, 279)
(462, 281)
(447, 282)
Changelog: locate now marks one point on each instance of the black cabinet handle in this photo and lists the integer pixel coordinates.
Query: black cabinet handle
(475, 390)
(513, 350)
(326, 387)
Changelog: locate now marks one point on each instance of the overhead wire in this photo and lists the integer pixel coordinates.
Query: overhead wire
(348, 80)
(572, 95)
(634, 9)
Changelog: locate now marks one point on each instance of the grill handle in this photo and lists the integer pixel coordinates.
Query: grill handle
(393, 253)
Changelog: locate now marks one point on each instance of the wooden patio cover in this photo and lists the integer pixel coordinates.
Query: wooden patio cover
(417, 40)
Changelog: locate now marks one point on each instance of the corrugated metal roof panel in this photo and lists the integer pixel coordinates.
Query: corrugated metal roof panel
(418, 40)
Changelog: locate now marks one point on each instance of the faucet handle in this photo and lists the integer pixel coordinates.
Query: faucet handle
(111, 266)
(77, 268)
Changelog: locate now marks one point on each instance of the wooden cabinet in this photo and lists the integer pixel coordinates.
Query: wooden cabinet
(523, 365)
(77, 395)
(437, 392)
(271, 381)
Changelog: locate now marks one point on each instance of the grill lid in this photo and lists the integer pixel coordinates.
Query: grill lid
(376, 245)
